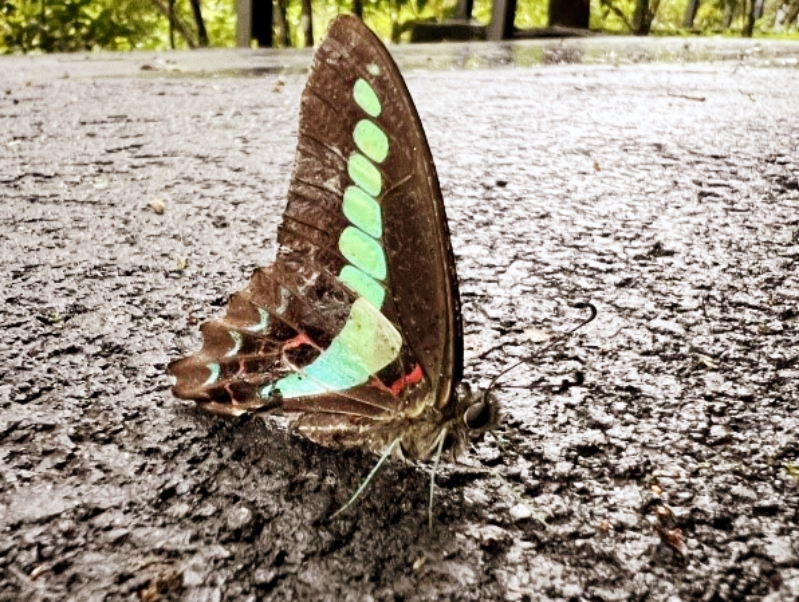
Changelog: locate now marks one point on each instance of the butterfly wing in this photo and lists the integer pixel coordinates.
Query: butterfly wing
(356, 106)
(356, 327)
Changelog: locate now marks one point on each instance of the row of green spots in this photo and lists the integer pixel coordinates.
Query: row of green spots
(368, 341)
(360, 243)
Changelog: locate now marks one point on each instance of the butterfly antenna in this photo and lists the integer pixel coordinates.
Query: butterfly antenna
(386, 454)
(439, 449)
(556, 341)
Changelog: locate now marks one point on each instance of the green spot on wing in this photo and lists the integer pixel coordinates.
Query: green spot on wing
(365, 174)
(364, 285)
(363, 211)
(371, 140)
(367, 343)
(237, 340)
(366, 97)
(213, 376)
(263, 324)
(285, 296)
(363, 251)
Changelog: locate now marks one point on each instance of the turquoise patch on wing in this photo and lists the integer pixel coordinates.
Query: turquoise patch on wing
(363, 211)
(371, 140)
(366, 286)
(365, 174)
(364, 252)
(367, 343)
(213, 375)
(366, 98)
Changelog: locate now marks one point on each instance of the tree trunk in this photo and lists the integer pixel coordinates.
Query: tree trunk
(749, 23)
(393, 13)
(357, 8)
(792, 14)
(282, 24)
(644, 15)
(463, 10)
(570, 13)
(690, 13)
(262, 22)
(306, 23)
(503, 15)
(202, 34)
(171, 19)
(728, 14)
(641, 18)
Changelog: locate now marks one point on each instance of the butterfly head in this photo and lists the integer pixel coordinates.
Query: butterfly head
(474, 415)
(477, 412)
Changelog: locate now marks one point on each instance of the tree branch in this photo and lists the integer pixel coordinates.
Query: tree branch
(176, 23)
(616, 11)
(202, 34)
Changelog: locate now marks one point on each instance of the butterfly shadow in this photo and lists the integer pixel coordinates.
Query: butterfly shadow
(295, 485)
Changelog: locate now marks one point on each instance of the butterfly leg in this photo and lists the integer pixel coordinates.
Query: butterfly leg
(439, 449)
(386, 454)
(500, 442)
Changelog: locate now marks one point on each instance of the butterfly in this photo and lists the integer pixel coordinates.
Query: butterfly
(355, 331)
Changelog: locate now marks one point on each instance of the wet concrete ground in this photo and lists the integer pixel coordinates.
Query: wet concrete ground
(665, 191)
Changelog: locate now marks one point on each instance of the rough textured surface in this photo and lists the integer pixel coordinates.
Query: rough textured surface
(666, 194)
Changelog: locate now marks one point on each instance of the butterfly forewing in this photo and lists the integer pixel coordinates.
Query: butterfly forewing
(356, 327)
(354, 88)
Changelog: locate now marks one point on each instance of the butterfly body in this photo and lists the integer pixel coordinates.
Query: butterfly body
(355, 330)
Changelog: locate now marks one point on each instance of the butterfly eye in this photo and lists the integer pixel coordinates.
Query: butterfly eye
(478, 415)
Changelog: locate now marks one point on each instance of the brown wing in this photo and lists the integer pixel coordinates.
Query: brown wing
(422, 287)
(292, 312)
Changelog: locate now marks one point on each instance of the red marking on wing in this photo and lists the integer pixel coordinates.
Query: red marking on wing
(379, 384)
(298, 341)
(395, 388)
(411, 378)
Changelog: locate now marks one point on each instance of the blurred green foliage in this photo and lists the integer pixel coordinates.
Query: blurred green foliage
(68, 25)
(72, 25)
